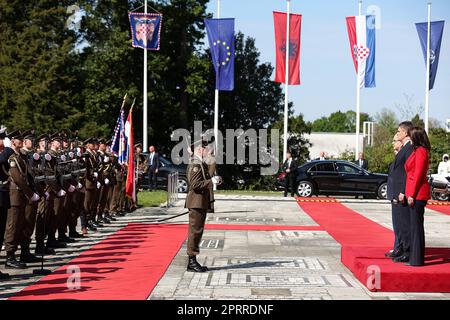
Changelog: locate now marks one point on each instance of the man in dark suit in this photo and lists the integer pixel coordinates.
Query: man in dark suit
(153, 167)
(397, 197)
(289, 168)
(362, 162)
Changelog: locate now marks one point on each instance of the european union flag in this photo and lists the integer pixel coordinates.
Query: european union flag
(221, 43)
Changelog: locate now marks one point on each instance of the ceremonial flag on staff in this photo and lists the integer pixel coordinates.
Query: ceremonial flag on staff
(221, 44)
(115, 141)
(437, 30)
(123, 149)
(295, 27)
(145, 30)
(130, 184)
(361, 33)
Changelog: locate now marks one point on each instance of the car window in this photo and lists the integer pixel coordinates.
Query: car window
(345, 168)
(323, 167)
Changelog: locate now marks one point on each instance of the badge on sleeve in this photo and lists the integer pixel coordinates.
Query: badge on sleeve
(12, 163)
(195, 169)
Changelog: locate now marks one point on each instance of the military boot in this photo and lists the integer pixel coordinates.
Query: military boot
(12, 263)
(26, 256)
(194, 266)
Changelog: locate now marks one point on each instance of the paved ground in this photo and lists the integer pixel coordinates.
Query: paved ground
(258, 264)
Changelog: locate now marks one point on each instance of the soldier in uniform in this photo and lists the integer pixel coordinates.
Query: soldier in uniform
(33, 161)
(20, 193)
(142, 167)
(198, 201)
(57, 194)
(105, 169)
(5, 153)
(91, 180)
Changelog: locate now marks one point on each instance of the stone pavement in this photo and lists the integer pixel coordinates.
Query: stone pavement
(255, 264)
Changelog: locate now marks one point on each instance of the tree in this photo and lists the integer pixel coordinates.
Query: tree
(339, 122)
(38, 83)
(440, 145)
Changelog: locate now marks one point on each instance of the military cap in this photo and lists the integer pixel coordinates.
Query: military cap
(29, 134)
(56, 137)
(43, 136)
(102, 141)
(95, 141)
(138, 145)
(3, 133)
(15, 135)
(88, 141)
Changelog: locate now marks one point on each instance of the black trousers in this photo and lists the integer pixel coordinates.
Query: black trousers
(3, 217)
(152, 179)
(289, 184)
(396, 227)
(417, 251)
(402, 218)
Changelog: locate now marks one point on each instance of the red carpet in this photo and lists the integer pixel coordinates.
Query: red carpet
(125, 266)
(445, 209)
(364, 243)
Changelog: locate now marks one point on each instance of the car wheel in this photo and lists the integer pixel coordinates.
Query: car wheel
(382, 191)
(305, 189)
(182, 185)
(440, 196)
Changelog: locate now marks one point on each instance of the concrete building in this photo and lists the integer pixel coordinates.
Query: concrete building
(332, 143)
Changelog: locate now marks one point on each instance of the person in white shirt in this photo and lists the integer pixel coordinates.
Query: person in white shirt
(444, 166)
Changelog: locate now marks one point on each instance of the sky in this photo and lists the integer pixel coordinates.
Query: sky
(326, 68)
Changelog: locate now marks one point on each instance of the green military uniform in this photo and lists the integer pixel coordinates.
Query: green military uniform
(90, 204)
(199, 200)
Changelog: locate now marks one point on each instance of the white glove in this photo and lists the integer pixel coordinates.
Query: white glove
(61, 193)
(79, 186)
(47, 195)
(7, 143)
(35, 197)
(106, 181)
(95, 175)
(216, 179)
(106, 160)
(71, 189)
(98, 185)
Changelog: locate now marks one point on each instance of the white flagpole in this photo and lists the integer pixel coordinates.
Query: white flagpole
(145, 118)
(286, 79)
(216, 105)
(358, 97)
(427, 82)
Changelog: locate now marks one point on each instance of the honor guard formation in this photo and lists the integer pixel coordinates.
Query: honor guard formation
(50, 181)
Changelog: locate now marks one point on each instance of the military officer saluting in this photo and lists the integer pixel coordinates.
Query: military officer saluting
(199, 200)
(5, 153)
(20, 192)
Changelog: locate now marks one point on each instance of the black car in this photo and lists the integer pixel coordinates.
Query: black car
(337, 177)
(166, 168)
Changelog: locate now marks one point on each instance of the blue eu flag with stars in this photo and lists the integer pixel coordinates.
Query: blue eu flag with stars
(221, 43)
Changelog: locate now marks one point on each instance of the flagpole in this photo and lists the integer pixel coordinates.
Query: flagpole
(145, 118)
(358, 96)
(427, 81)
(216, 105)
(286, 79)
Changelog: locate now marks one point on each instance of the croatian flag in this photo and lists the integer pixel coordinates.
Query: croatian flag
(361, 33)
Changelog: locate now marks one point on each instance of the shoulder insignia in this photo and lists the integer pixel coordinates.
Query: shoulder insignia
(12, 163)
(195, 169)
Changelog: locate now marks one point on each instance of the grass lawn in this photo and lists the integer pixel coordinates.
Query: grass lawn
(152, 199)
(250, 193)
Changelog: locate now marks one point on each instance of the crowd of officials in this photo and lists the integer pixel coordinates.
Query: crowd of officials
(48, 183)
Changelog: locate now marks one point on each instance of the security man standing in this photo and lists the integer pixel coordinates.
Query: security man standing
(5, 153)
(199, 199)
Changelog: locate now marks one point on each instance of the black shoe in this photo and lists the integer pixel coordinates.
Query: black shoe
(44, 251)
(66, 240)
(413, 265)
(28, 257)
(402, 258)
(4, 276)
(75, 234)
(106, 220)
(56, 244)
(12, 263)
(194, 266)
(91, 226)
(110, 218)
(393, 254)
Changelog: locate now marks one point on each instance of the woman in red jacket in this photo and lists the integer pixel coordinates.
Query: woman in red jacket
(417, 193)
